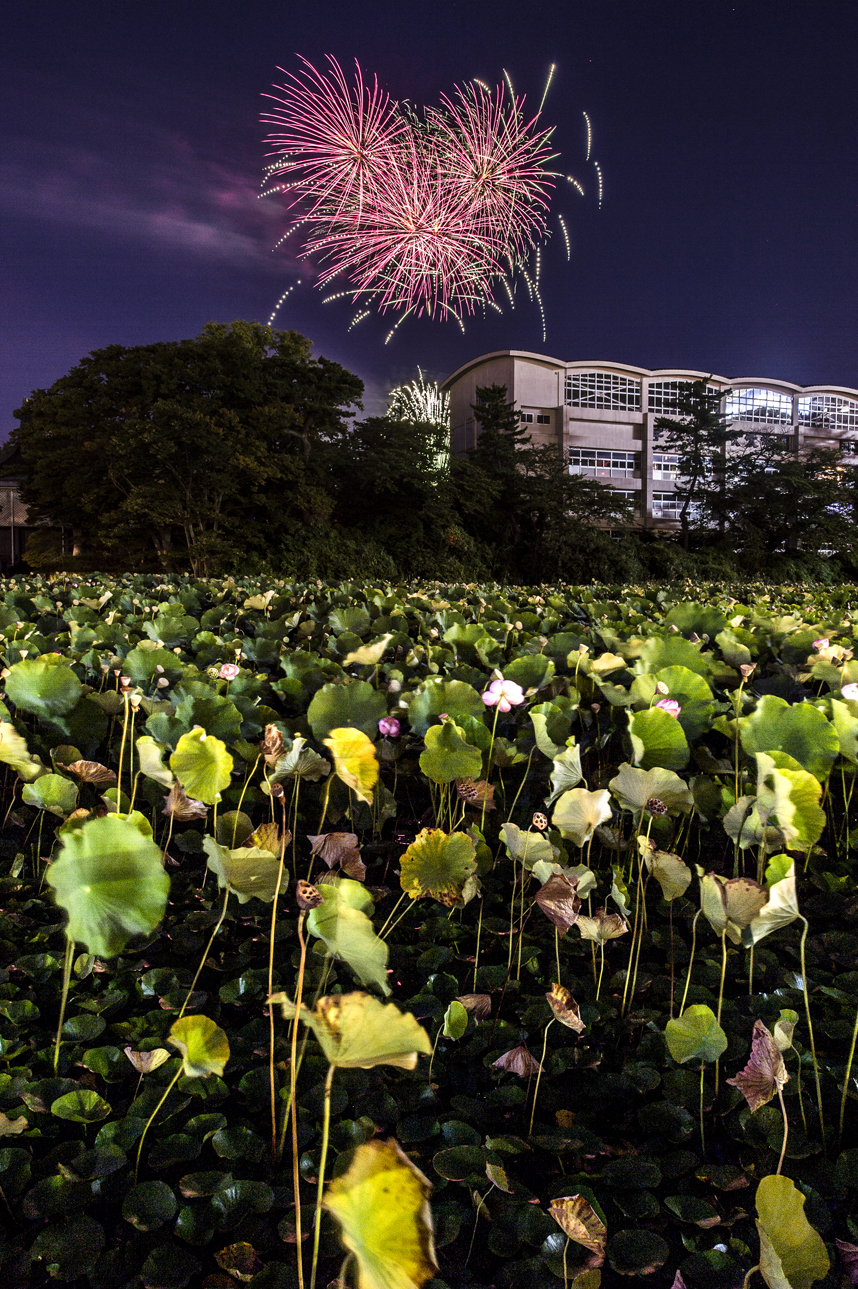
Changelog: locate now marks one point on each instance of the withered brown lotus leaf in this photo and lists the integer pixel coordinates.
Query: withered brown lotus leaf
(765, 1072)
(182, 807)
(267, 837)
(91, 772)
(271, 744)
(478, 1005)
(602, 926)
(518, 1060)
(146, 1062)
(565, 1008)
(559, 902)
(339, 850)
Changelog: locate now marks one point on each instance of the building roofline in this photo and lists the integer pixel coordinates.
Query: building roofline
(662, 373)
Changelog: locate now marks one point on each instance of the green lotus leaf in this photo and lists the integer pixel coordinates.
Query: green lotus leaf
(215, 713)
(81, 1106)
(782, 907)
(203, 1045)
(355, 705)
(438, 865)
(455, 1020)
(546, 718)
(353, 618)
(51, 792)
(791, 797)
(695, 1035)
(792, 1254)
(369, 654)
(15, 753)
(691, 617)
(658, 739)
(566, 772)
(69, 1248)
(633, 788)
(249, 872)
(356, 1031)
(109, 877)
(149, 1205)
(530, 670)
(45, 686)
(688, 688)
(448, 756)
(203, 765)
(845, 722)
(672, 873)
(354, 760)
(381, 1203)
(528, 845)
(674, 651)
(435, 696)
(579, 813)
(800, 729)
(341, 922)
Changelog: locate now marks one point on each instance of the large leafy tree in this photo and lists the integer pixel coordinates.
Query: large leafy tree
(165, 444)
(700, 437)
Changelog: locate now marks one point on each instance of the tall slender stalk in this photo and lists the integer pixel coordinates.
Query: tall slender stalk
(539, 1074)
(167, 1091)
(67, 968)
(226, 895)
(271, 1081)
(326, 1130)
(810, 1028)
(846, 1078)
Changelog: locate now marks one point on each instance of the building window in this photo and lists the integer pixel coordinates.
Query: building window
(602, 464)
(664, 465)
(662, 395)
(629, 494)
(828, 412)
(849, 447)
(526, 417)
(603, 390)
(759, 405)
(543, 420)
(665, 505)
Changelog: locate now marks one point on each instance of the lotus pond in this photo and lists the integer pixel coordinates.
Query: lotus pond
(384, 936)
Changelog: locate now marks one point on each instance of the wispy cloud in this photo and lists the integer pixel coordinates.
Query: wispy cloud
(163, 195)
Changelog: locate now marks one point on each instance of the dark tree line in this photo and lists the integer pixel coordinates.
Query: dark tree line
(238, 450)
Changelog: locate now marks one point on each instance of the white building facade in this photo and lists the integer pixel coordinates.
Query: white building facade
(601, 417)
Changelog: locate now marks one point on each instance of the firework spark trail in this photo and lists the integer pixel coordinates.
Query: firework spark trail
(589, 136)
(599, 173)
(565, 232)
(282, 300)
(420, 214)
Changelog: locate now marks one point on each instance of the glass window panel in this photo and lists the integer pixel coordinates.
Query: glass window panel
(764, 405)
(665, 505)
(662, 395)
(604, 390)
(828, 412)
(603, 462)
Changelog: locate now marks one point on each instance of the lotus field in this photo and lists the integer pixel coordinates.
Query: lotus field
(388, 936)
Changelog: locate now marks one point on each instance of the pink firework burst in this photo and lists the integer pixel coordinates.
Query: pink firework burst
(336, 141)
(419, 215)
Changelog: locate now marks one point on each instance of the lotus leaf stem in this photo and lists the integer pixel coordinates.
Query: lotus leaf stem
(702, 1137)
(489, 765)
(539, 1074)
(67, 968)
(721, 996)
(323, 1159)
(293, 1101)
(691, 958)
(272, 930)
(390, 915)
(846, 1078)
(167, 1091)
(810, 1028)
(206, 953)
(479, 933)
(786, 1130)
(747, 1279)
(127, 707)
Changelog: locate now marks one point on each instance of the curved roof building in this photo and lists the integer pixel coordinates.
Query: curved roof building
(601, 416)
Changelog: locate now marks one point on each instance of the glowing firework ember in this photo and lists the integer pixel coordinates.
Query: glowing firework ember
(420, 400)
(419, 214)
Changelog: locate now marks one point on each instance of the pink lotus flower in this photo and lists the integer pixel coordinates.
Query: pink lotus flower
(228, 671)
(506, 694)
(389, 727)
(821, 643)
(850, 692)
(669, 705)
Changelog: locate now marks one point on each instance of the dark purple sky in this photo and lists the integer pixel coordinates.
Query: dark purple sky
(726, 131)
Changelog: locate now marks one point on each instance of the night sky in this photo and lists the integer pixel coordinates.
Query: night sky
(726, 132)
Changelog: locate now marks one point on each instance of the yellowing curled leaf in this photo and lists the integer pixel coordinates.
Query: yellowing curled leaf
(203, 765)
(357, 1031)
(203, 1045)
(381, 1203)
(602, 926)
(146, 1062)
(342, 921)
(579, 1220)
(354, 760)
(15, 753)
(12, 1127)
(731, 905)
(792, 1253)
(672, 874)
(565, 1008)
(438, 864)
(247, 871)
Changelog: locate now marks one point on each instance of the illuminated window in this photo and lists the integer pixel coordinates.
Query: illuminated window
(828, 412)
(603, 464)
(543, 420)
(664, 466)
(759, 405)
(603, 390)
(663, 394)
(665, 505)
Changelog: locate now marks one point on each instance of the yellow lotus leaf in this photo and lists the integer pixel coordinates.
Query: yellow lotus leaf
(381, 1203)
(579, 1220)
(357, 1031)
(354, 760)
